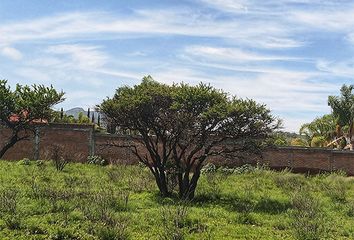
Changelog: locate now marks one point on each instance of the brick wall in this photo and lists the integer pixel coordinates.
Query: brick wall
(77, 141)
(309, 159)
(80, 141)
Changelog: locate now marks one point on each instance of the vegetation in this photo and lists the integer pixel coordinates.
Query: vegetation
(23, 106)
(320, 132)
(89, 201)
(343, 111)
(335, 129)
(180, 126)
(59, 117)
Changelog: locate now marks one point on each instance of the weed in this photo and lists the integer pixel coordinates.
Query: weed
(308, 219)
(59, 158)
(174, 220)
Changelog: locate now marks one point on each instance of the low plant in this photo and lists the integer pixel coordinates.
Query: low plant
(336, 187)
(59, 158)
(308, 219)
(174, 219)
(25, 161)
(8, 208)
(97, 160)
(208, 168)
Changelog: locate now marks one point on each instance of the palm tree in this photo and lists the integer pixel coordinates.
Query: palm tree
(343, 111)
(320, 131)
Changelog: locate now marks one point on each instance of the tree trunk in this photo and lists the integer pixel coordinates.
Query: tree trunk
(188, 186)
(193, 184)
(161, 182)
(13, 140)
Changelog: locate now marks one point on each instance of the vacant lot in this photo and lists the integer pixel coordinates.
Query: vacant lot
(121, 202)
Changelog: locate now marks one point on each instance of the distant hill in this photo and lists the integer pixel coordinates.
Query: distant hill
(77, 110)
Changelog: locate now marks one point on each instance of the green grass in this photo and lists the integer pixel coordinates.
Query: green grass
(121, 202)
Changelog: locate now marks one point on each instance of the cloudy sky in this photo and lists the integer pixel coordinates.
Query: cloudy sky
(288, 54)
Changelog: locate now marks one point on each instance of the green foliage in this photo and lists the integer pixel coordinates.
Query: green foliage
(343, 111)
(319, 141)
(25, 161)
(320, 131)
(299, 142)
(342, 106)
(21, 107)
(59, 117)
(181, 125)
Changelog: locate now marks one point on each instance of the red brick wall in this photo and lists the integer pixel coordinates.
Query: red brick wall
(113, 149)
(22, 149)
(80, 141)
(75, 139)
(309, 159)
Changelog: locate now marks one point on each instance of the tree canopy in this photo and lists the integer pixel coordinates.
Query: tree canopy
(180, 126)
(22, 107)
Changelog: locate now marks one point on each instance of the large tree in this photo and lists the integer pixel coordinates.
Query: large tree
(180, 126)
(22, 107)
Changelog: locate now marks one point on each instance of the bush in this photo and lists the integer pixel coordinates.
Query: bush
(208, 168)
(174, 222)
(246, 168)
(336, 187)
(25, 161)
(308, 219)
(59, 158)
(8, 208)
(97, 160)
(289, 182)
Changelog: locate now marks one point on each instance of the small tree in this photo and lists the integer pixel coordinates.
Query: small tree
(22, 107)
(180, 126)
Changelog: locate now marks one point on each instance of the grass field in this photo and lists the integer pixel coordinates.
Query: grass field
(121, 202)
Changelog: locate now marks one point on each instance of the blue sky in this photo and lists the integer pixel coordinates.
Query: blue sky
(288, 54)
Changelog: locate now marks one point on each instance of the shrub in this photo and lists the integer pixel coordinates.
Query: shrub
(308, 220)
(97, 160)
(298, 142)
(208, 168)
(39, 163)
(336, 187)
(116, 231)
(174, 221)
(8, 208)
(350, 209)
(25, 161)
(211, 189)
(246, 168)
(59, 158)
(289, 182)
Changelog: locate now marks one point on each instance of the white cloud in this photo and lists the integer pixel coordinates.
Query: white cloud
(232, 54)
(82, 56)
(228, 5)
(337, 68)
(11, 53)
(258, 32)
